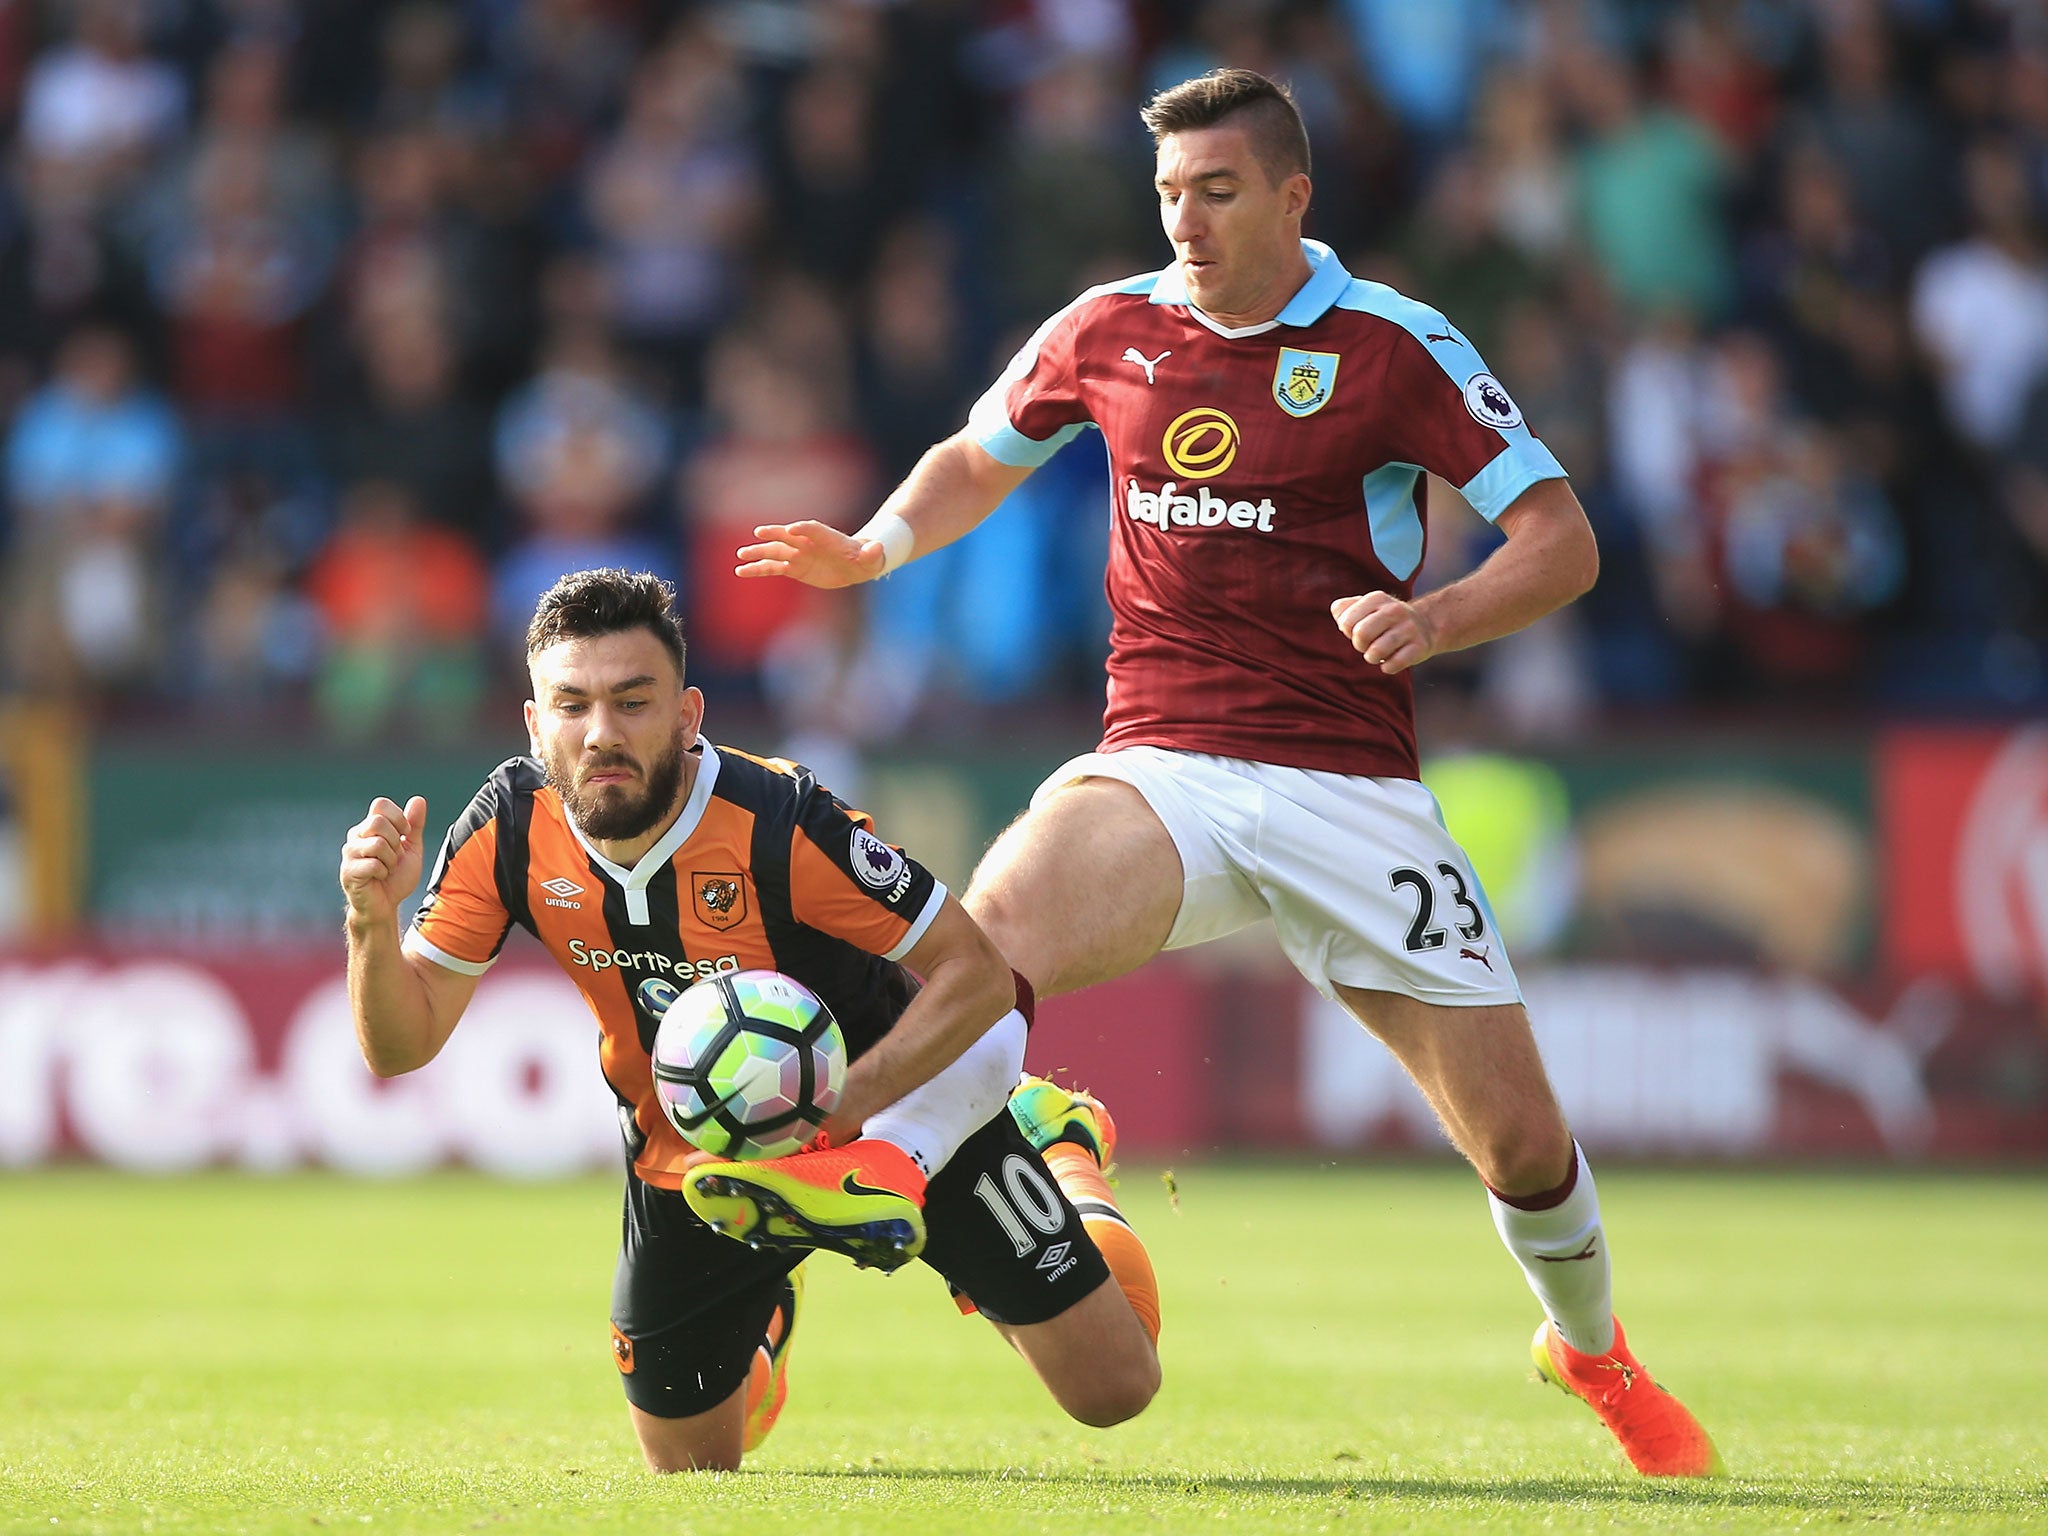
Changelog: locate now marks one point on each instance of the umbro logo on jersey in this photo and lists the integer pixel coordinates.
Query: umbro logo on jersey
(1133, 355)
(559, 890)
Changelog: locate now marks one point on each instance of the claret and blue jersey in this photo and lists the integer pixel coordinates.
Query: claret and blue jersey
(1256, 475)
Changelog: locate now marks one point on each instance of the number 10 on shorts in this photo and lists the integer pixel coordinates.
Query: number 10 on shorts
(1029, 1199)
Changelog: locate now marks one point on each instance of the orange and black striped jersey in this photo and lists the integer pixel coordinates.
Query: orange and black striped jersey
(763, 869)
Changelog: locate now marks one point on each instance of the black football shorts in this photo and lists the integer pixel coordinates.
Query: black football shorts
(690, 1307)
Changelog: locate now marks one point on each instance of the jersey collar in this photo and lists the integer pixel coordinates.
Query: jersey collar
(1327, 280)
(634, 880)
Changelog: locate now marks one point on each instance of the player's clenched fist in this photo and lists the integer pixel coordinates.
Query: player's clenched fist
(380, 862)
(1385, 630)
(815, 554)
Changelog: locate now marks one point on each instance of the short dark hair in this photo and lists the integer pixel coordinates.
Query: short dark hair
(1271, 118)
(585, 604)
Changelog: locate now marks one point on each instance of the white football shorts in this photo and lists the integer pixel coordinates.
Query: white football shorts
(1363, 883)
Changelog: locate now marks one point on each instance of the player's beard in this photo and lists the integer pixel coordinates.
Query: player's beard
(612, 812)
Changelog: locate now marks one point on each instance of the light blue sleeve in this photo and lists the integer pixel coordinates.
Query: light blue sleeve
(989, 424)
(1518, 466)
(1523, 459)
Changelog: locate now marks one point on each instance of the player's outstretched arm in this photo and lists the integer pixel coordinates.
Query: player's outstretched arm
(967, 988)
(1549, 559)
(954, 486)
(404, 1007)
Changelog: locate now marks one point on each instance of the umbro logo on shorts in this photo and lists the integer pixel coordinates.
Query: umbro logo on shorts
(1057, 1260)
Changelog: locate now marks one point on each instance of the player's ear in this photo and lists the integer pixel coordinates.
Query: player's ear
(1295, 193)
(693, 712)
(533, 726)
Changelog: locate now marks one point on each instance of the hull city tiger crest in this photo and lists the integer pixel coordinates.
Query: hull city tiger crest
(719, 899)
(1303, 381)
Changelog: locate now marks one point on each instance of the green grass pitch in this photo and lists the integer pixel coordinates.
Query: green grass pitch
(1344, 1351)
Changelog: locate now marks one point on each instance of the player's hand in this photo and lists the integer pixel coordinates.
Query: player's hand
(1385, 631)
(380, 862)
(813, 553)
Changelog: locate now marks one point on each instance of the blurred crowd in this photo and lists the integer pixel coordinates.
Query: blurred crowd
(331, 331)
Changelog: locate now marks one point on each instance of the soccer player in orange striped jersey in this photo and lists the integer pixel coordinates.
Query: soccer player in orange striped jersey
(633, 848)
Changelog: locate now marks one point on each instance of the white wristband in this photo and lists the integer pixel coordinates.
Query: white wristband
(894, 535)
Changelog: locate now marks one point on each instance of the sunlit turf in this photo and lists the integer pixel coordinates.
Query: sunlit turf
(1345, 1350)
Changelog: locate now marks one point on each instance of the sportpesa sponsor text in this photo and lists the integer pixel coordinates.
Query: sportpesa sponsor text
(648, 960)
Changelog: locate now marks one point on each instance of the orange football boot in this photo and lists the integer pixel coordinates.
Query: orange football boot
(1656, 1433)
(865, 1200)
(1048, 1114)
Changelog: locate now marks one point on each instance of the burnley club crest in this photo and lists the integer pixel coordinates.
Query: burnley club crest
(1302, 381)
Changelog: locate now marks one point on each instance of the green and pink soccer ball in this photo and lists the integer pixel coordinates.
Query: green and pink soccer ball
(746, 1065)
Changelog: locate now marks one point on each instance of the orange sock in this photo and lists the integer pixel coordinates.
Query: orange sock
(1082, 1183)
(760, 1376)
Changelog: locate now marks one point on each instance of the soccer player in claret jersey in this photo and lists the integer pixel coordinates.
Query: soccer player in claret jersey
(633, 848)
(1271, 421)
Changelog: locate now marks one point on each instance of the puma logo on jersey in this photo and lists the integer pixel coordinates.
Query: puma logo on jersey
(1439, 336)
(1133, 355)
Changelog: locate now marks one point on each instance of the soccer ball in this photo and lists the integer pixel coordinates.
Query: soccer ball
(746, 1065)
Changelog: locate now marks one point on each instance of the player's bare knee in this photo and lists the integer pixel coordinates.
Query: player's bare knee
(1008, 924)
(663, 1467)
(1524, 1162)
(998, 916)
(1116, 1389)
(1112, 1399)
(665, 1459)
(1141, 1385)
(676, 1445)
